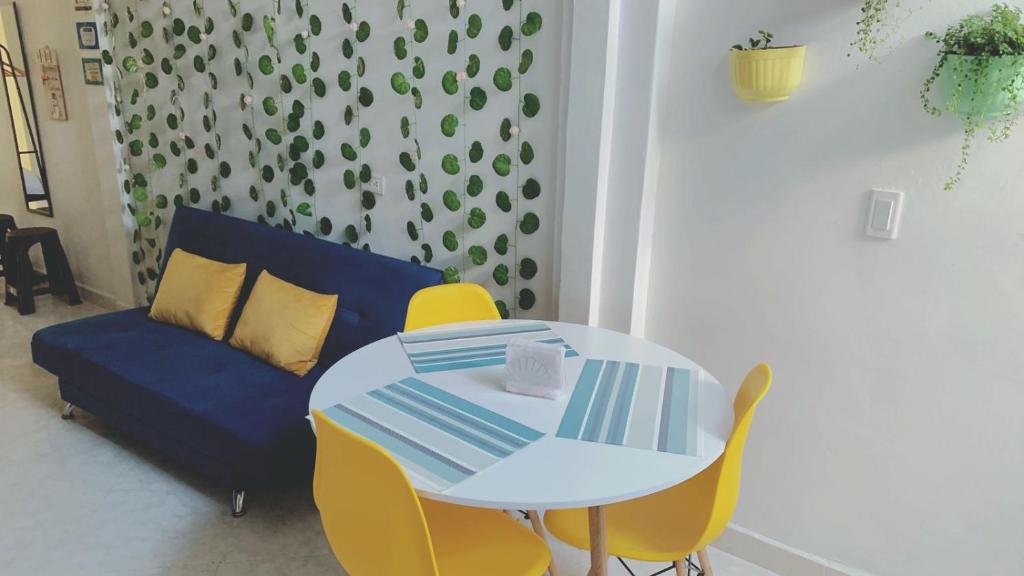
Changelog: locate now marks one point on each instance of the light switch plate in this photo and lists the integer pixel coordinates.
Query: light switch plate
(884, 214)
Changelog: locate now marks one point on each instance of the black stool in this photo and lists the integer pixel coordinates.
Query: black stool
(23, 284)
(6, 223)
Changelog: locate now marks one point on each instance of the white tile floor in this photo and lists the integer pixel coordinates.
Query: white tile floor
(78, 498)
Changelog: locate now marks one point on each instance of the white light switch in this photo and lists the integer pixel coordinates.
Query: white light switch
(884, 214)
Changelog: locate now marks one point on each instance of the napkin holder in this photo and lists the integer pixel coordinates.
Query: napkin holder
(534, 368)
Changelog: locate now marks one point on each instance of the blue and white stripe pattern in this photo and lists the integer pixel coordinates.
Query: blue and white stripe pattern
(438, 437)
(445, 350)
(626, 404)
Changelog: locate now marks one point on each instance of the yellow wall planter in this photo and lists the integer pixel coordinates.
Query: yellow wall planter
(767, 75)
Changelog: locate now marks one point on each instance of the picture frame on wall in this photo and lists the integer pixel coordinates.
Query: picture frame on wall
(92, 71)
(83, 5)
(88, 36)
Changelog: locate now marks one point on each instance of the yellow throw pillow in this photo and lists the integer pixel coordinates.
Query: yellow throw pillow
(284, 324)
(198, 293)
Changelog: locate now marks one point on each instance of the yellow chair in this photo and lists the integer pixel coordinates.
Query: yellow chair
(449, 303)
(462, 302)
(378, 526)
(671, 525)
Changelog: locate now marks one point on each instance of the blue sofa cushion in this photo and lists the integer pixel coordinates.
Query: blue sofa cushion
(223, 403)
(373, 290)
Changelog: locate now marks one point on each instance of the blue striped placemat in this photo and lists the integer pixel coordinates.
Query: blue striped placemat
(437, 436)
(444, 350)
(627, 404)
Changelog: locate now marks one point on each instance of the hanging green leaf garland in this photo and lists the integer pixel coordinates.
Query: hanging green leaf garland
(119, 64)
(346, 83)
(410, 157)
(454, 84)
(243, 70)
(357, 33)
(306, 161)
(267, 66)
(202, 62)
(143, 162)
(527, 223)
(449, 126)
(190, 37)
(172, 28)
(282, 121)
(319, 88)
(474, 98)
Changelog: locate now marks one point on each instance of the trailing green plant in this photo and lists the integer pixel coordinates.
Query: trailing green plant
(762, 42)
(981, 67)
(876, 26)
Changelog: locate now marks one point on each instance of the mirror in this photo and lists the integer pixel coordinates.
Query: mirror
(21, 111)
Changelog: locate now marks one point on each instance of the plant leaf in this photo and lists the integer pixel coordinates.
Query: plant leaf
(531, 24)
(449, 82)
(503, 79)
(502, 165)
(450, 164)
(501, 244)
(399, 84)
(450, 241)
(477, 254)
(451, 200)
(477, 218)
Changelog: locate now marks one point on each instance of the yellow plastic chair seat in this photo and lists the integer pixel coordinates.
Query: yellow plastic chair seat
(470, 542)
(648, 529)
(449, 303)
(377, 525)
(672, 524)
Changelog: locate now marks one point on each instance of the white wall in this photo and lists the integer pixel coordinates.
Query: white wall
(611, 164)
(79, 160)
(892, 439)
(630, 123)
(592, 69)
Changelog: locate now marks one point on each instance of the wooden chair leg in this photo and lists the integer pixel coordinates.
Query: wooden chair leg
(680, 566)
(598, 541)
(705, 562)
(538, 528)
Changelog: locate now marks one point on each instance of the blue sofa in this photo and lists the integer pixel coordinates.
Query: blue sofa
(219, 411)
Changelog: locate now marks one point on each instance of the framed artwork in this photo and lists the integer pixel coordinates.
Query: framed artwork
(88, 36)
(83, 5)
(92, 71)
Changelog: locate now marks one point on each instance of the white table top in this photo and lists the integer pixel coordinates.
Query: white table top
(551, 473)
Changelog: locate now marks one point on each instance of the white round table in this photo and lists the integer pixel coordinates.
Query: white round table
(551, 473)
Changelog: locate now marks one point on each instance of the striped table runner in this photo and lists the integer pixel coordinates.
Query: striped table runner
(445, 350)
(626, 404)
(438, 437)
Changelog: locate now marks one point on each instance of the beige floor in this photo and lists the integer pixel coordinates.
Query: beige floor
(78, 498)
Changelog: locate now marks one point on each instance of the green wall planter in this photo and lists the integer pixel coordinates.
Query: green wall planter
(965, 96)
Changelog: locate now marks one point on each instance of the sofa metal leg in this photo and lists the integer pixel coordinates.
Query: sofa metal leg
(238, 503)
(69, 411)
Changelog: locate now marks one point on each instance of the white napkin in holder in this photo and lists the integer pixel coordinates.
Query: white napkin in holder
(534, 368)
